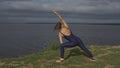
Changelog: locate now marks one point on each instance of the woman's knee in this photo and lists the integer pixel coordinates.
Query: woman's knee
(61, 46)
(64, 45)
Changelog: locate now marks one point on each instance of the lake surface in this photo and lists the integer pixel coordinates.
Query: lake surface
(22, 39)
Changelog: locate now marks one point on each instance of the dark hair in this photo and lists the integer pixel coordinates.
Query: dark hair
(57, 26)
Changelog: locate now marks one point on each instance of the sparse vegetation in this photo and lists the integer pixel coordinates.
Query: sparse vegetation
(106, 57)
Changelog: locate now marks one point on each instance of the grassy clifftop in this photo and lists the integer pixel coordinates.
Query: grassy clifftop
(106, 57)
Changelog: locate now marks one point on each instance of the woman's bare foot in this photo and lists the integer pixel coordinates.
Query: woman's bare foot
(60, 60)
(92, 59)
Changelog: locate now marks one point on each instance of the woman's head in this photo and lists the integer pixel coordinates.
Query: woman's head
(57, 26)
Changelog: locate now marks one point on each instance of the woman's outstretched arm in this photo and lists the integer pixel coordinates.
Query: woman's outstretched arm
(60, 17)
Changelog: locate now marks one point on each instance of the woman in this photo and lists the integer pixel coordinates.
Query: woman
(64, 31)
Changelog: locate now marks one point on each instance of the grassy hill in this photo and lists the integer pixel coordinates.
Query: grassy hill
(106, 57)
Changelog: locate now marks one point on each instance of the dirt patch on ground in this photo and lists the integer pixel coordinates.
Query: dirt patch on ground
(115, 46)
(108, 66)
(104, 54)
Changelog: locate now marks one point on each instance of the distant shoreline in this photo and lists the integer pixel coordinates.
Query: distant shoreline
(70, 23)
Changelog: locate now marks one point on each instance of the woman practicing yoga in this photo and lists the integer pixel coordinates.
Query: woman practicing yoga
(64, 31)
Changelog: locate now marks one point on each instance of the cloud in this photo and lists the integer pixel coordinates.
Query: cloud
(19, 5)
(13, 0)
(84, 9)
(90, 6)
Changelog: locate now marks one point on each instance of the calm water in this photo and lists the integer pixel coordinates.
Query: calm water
(22, 39)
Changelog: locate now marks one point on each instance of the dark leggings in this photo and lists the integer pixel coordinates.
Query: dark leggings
(73, 44)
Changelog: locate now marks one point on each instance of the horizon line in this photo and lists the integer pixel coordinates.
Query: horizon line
(70, 23)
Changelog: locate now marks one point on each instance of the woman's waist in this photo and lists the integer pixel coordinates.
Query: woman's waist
(72, 38)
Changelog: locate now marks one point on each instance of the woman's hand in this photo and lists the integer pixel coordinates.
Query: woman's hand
(63, 22)
(60, 38)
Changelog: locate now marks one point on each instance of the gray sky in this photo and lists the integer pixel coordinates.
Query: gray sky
(79, 11)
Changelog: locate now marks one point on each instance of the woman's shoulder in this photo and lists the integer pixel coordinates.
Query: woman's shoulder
(65, 29)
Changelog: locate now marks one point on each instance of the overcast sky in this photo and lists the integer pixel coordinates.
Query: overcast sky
(39, 11)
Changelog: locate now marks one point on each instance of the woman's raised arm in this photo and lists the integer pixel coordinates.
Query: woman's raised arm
(60, 17)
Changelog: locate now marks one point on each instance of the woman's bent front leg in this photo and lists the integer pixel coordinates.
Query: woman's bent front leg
(66, 45)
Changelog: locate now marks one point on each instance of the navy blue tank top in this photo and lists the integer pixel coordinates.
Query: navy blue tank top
(71, 37)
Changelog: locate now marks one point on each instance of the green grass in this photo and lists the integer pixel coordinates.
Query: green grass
(106, 57)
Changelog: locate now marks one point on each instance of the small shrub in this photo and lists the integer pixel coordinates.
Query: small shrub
(53, 45)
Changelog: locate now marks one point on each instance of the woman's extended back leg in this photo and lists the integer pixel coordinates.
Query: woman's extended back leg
(82, 46)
